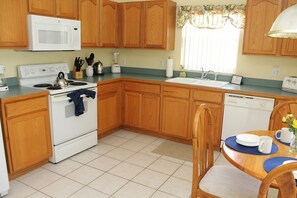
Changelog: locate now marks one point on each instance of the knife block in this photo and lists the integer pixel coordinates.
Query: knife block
(77, 74)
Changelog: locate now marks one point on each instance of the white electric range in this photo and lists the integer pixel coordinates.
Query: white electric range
(70, 134)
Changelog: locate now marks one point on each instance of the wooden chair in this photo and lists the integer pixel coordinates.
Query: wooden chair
(284, 177)
(211, 180)
(279, 112)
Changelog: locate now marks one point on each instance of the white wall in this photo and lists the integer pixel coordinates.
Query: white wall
(248, 65)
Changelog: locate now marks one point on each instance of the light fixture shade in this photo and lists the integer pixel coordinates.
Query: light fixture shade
(285, 25)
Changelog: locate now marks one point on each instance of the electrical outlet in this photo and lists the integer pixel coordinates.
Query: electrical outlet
(275, 71)
(123, 61)
(162, 63)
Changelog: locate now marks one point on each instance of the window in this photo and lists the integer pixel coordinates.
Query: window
(212, 49)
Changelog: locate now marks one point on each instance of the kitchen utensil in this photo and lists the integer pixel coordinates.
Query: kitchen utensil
(98, 68)
(3, 83)
(61, 81)
(90, 60)
(78, 63)
(116, 68)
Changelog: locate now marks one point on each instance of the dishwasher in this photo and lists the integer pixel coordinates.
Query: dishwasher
(245, 113)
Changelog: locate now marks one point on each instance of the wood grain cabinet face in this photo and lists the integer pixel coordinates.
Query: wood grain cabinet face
(89, 9)
(130, 22)
(13, 23)
(150, 112)
(26, 133)
(108, 24)
(109, 107)
(42, 7)
(132, 109)
(66, 9)
(259, 17)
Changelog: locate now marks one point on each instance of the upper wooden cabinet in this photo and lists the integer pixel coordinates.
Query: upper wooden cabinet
(58, 8)
(98, 23)
(260, 15)
(130, 24)
(108, 23)
(13, 23)
(149, 24)
(89, 9)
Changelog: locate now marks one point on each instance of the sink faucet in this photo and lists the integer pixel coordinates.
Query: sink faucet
(204, 73)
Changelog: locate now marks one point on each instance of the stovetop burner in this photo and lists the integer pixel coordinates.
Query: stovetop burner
(54, 88)
(43, 85)
(77, 83)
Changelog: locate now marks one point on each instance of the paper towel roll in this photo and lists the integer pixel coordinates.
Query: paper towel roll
(169, 68)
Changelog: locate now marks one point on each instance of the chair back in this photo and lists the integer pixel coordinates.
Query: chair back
(202, 144)
(281, 110)
(284, 177)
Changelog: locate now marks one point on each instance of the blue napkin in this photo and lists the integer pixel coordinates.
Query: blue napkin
(231, 142)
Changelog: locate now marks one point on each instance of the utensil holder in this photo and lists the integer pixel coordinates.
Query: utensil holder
(77, 74)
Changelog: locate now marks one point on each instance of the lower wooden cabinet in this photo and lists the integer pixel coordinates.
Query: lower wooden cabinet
(109, 107)
(175, 115)
(132, 109)
(26, 129)
(150, 112)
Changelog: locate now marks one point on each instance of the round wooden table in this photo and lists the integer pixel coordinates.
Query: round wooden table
(253, 164)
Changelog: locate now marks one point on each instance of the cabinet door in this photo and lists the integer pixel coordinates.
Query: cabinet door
(289, 46)
(108, 23)
(260, 15)
(155, 24)
(132, 109)
(29, 139)
(217, 113)
(150, 112)
(109, 112)
(88, 14)
(66, 9)
(175, 115)
(13, 23)
(130, 24)
(42, 7)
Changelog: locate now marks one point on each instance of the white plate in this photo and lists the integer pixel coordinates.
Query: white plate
(248, 144)
(248, 138)
(291, 161)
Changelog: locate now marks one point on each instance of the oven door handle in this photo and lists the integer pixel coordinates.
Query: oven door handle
(62, 98)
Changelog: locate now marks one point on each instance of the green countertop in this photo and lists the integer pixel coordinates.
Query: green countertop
(17, 90)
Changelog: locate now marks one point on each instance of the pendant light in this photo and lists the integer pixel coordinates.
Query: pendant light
(285, 25)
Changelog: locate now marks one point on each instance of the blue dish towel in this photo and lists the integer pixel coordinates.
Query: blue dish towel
(231, 142)
(78, 101)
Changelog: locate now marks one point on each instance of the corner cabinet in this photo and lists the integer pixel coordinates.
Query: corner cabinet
(55, 8)
(148, 24)
(26, 129)
(109, 107)
(13, 23)
(260, 15)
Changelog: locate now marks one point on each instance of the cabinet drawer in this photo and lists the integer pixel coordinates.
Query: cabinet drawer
(26, 106)
(176, 92)
(143, 87)
(208, 96)
(108, 88)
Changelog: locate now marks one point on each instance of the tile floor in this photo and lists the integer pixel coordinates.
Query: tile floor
(122, 165)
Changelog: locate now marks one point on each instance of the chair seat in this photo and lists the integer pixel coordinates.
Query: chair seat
(228, 182)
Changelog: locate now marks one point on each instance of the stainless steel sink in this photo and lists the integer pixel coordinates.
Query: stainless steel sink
(200, 82)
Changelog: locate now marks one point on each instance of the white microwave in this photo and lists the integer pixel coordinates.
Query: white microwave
(53, 34)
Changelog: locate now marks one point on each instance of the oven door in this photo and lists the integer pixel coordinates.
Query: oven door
(64, 124)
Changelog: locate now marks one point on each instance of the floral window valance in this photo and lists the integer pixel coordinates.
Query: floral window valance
(211, 16)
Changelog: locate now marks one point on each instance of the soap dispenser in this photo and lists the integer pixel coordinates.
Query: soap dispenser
(182, 73)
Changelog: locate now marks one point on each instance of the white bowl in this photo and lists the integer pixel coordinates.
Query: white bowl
(248, 138)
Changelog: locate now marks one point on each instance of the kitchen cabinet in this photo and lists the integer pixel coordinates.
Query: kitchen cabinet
(147, 24)
(101, 31)
(89, 9)
(142, 105)
(109, 107)
(215, 102)
(26, 130)
(260, 15)
(130, 24)
(108, 24)
(55, 8)
(13, 23)
(175, 111)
